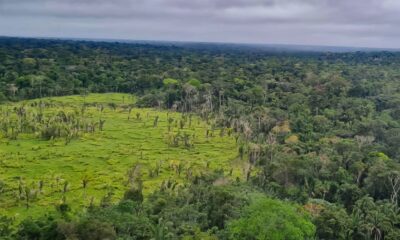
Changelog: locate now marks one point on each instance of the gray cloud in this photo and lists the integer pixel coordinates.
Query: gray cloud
(371, 23)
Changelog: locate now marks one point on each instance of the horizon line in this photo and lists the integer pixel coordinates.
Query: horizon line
(124, 40)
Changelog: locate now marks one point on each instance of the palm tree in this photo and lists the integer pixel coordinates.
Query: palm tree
(85, 183)
(129, 113)
(160, 231)
(27, 193)
(65, 187)
(170, 121)
(155, 122)
(41, 185)
(13, 89)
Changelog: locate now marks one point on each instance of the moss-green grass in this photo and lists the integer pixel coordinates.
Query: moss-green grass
(104, 156)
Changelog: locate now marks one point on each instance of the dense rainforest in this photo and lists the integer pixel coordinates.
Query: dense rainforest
(319, 133)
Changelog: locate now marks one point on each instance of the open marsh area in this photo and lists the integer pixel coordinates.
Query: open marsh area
(57, 169)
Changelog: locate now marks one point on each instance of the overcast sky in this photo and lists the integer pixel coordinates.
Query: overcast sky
(362, 23)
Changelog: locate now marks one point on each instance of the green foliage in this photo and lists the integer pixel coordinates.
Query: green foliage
(333, 223)
(200, 206)
(272, 219)
(96, 230)
(6, 227)
(310, 128)
(375, 220)
(170, 82)
(195, 83)
(134, 194)
(42, 228)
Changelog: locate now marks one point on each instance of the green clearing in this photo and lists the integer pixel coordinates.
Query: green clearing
(105, 157)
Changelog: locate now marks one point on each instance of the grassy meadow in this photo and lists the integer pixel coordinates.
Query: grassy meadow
(55, 170)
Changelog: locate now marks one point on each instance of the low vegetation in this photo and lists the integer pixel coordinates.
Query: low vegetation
(78, 149)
